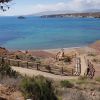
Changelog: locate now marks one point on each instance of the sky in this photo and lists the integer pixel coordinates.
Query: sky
(26, 7)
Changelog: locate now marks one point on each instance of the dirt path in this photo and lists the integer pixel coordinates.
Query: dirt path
(30, 72)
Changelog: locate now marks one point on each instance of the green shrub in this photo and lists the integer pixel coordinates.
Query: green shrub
(5, 70)
(59, 98)
(32, 58)
(66, 83)
(38, 88)
(96, 60)
(17, 57)
(92, 54)
(67, 59)
(82, 80)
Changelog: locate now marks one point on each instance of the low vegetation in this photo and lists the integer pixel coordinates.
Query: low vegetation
(96, 60)
(38, 88)
(17, 57)
(5, 70)
(66, 84)
(82, 80)
(92, 54)
(35, 88)
(67, 59)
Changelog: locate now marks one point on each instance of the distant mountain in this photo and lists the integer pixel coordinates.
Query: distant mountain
(63, 12)
(88, 14)
(50, 12)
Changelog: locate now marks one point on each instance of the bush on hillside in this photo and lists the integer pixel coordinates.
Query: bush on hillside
(82, 78)
(96, 60)
(92, 54)
(38, 88)
(5, 70)
(66, 83)
(67, 59)
(17, 57)
(32, 58)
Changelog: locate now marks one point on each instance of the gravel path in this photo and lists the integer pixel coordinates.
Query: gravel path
(30, 72)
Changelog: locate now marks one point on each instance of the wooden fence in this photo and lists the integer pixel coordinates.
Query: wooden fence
(38, 66)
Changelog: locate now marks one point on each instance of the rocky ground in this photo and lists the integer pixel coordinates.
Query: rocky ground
(10, 93)
(75, 94)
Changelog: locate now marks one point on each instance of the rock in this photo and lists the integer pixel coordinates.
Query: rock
(3, 51)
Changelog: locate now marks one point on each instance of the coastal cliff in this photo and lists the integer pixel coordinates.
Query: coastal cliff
(86, 15)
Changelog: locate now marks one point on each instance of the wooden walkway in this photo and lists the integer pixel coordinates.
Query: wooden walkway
(80, 65)
(83, 65)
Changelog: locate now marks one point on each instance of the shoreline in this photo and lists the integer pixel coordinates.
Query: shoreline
(66, 48)
(42, 52)
(46, 49)
(70, 50)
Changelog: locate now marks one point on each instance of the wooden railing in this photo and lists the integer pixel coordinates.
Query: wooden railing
(38, 66)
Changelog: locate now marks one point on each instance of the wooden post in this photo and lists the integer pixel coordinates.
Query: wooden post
(2, 60)
(38, 65)
(27, 64)
(49, 69)
(18, 63)
(9, 62)
(72, 72)
(62, 70)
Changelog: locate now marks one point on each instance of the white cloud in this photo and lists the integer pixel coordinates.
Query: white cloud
(85, 4)
(50, 7)
(73, 5)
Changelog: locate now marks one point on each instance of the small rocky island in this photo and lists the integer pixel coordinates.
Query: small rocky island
(21, 17)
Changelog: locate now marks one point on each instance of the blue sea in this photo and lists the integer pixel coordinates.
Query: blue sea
(47, 33)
